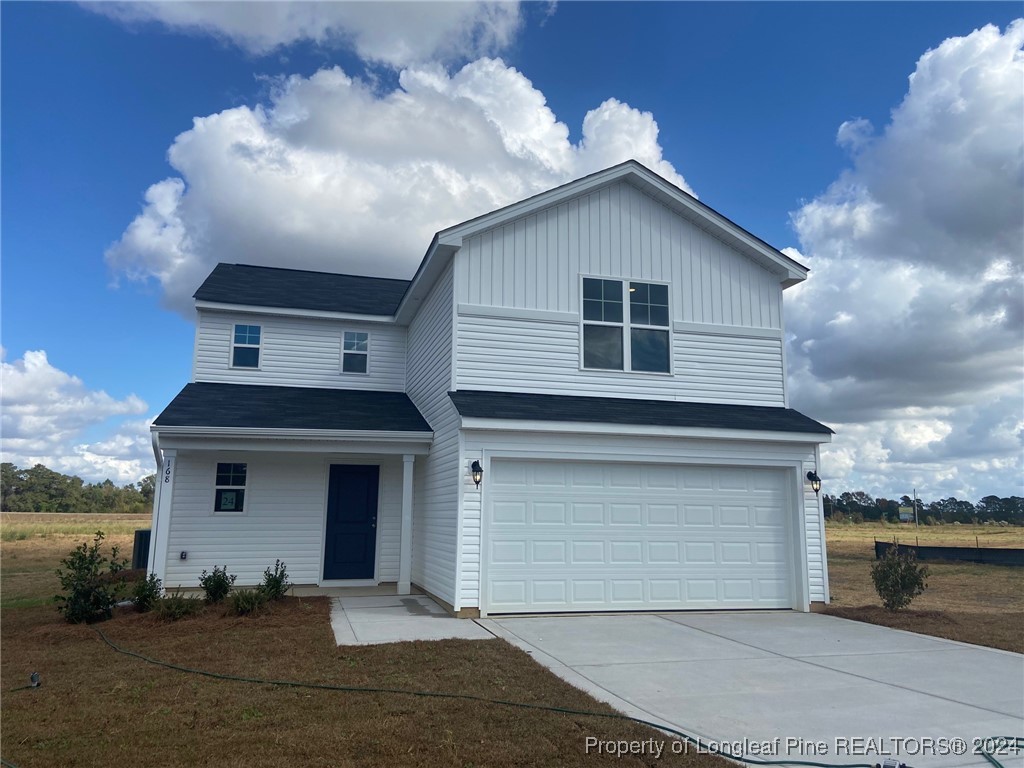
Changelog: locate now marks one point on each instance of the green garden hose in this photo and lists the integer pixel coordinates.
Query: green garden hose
(481, 699)
(501, 702)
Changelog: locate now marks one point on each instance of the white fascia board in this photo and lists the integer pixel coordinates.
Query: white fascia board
(216, 306)
(431, 268)
(647, 181)
(642, 430)
(454, 236)
(242, 433)
(718, 225)
(319, 447)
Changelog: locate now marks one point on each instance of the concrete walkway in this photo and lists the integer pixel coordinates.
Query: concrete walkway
(830, 690)
(378, 619)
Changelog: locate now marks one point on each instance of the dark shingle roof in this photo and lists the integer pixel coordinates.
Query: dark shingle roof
(245, 405)
(614, 410)
(298, 289)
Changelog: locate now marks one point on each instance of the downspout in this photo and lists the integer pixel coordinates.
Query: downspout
(155, 436)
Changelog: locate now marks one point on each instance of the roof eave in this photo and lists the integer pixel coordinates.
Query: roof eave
(353, 435)
(790, 271)
(645, 430)
(218, 306)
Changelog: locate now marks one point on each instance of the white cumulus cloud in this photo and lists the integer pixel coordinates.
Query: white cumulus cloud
(45, 411)
(330, 174)
(909, 335)
(392, 33)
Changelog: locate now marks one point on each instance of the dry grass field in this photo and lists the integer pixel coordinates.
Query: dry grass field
(100, 708)
(981, 604)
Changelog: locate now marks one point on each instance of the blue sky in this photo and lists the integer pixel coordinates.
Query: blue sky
(748, 100)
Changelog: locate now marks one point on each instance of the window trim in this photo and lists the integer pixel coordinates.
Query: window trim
(365, 354)
(246, 498)
(257, 347)
(626, 326)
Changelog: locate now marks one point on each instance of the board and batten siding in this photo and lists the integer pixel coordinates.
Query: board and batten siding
(525, 355)
(435, 492)
(535, 262)
(300, 352)
(485, 444)
(285, 499)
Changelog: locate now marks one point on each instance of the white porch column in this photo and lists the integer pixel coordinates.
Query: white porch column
(162, 521)
(405, 547)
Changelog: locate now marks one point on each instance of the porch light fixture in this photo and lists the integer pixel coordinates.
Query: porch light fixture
(478, 472)
(815, 481)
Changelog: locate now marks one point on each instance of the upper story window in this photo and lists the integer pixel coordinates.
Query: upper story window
(355, 352)
(229, 494)
(245, 347)
(625, 326)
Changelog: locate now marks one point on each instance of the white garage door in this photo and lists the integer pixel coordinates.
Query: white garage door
(586, 536)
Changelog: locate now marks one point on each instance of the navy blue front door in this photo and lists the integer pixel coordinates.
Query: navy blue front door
(351, 546)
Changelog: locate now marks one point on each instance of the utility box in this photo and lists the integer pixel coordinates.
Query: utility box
(140, 549)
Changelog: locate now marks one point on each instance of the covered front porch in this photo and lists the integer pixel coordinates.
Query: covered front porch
(334, 504)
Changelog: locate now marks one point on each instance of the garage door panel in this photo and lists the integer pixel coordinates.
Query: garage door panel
(509, 512)
(624, 514)
(619, 536)
(732, 516)
(550, 552)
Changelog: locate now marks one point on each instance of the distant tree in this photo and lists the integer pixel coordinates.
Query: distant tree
(40, 489)
(147, 489)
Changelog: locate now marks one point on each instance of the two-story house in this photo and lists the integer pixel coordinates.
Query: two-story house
(577, 403)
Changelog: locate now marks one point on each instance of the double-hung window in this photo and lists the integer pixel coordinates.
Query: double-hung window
(245, 347)
(355, 352)
(625, 326)
(229, 494)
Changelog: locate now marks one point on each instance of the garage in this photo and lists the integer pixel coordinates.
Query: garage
(606, 536)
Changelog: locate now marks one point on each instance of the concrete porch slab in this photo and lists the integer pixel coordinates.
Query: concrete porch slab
(376, 619)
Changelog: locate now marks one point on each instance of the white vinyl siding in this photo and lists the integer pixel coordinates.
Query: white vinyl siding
(535, 261)
(284, 517)
(299, 352)
(798, 458)
(525, 355)
(435, 491)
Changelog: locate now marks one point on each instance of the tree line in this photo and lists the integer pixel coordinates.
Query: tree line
(859, 507)
(40, 489)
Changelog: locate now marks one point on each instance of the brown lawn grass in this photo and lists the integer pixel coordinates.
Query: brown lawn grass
(972, 603)
(100, 708)
(33, 545)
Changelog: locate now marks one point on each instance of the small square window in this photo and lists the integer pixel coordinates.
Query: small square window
(229, 493)
(355, 352)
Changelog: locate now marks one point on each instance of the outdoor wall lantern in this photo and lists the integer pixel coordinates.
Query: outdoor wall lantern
(478, 472)
(815, 481)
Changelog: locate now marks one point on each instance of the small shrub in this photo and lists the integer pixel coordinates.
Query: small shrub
(898, 578)
(216, 585)
(176, 606)
(91, 581)
(146, 593)
(857, 517)
(275, 582)
(246, 602)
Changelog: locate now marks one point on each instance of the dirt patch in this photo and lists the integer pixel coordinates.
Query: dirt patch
(988, 629)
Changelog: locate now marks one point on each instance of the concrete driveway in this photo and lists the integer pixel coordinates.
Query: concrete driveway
(828, 689)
